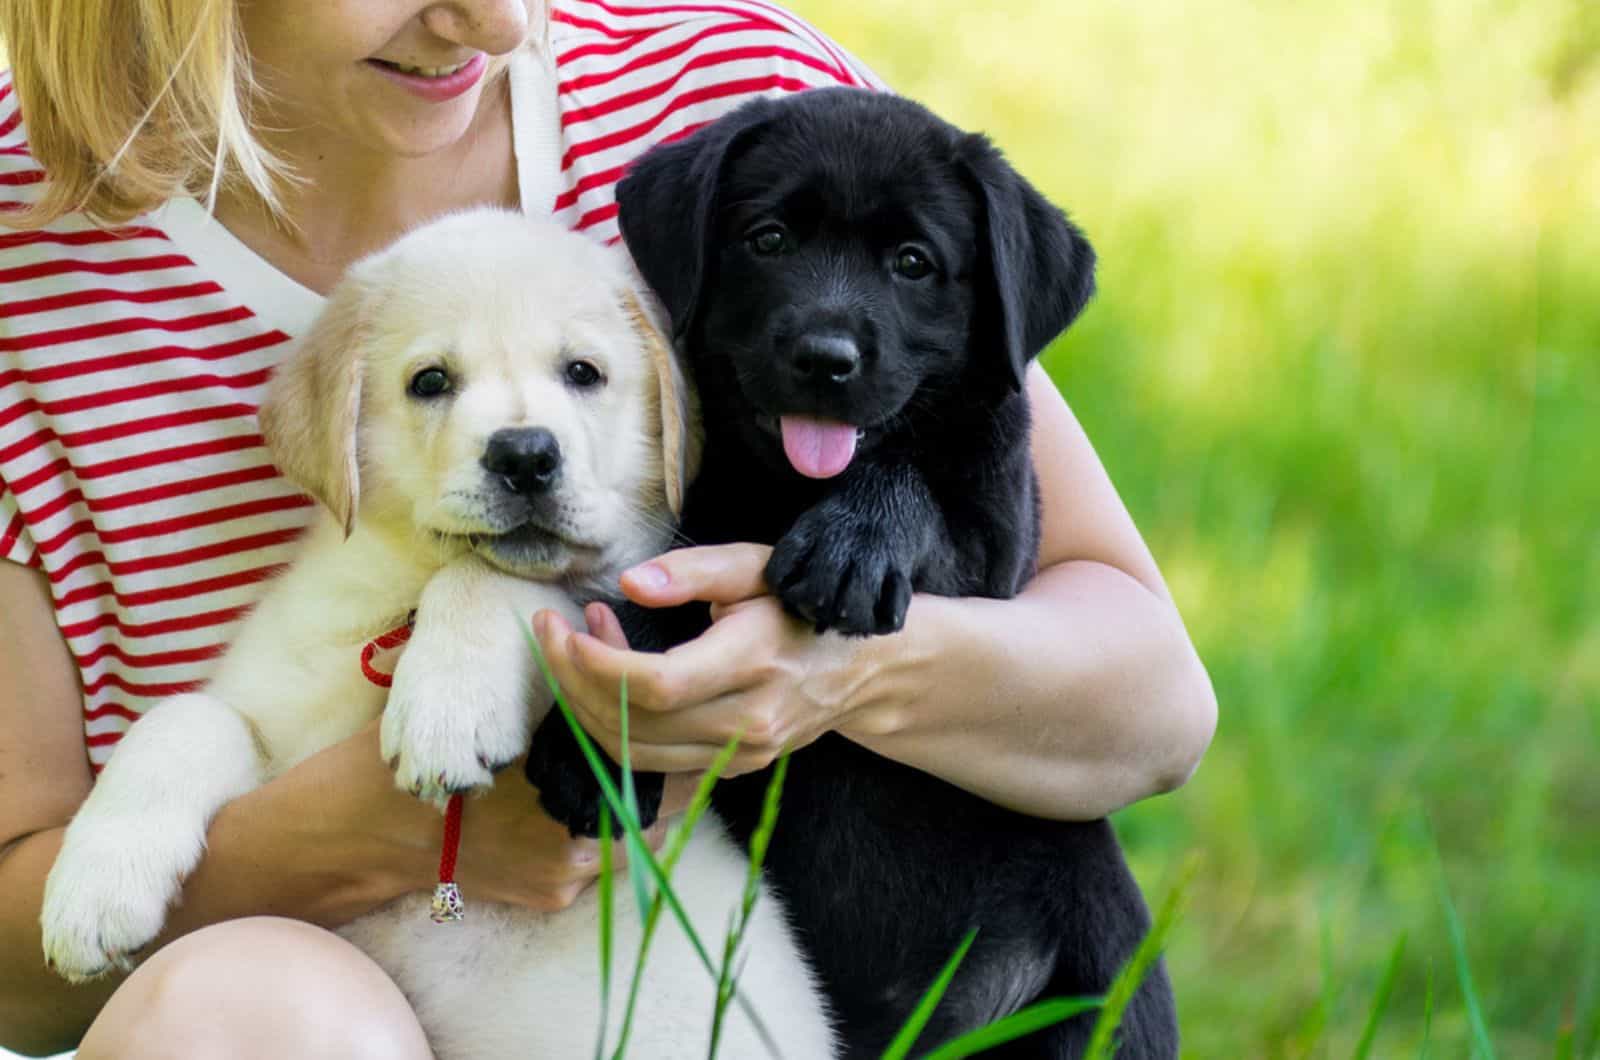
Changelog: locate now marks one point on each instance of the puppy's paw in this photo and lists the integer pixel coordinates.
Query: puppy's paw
(839, 571)
(568, 788)
(107, 896)
(450, 729)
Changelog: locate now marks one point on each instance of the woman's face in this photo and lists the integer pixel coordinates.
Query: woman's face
(400, 77)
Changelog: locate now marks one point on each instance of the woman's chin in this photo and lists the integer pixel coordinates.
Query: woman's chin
(405, 136)
(398, 124)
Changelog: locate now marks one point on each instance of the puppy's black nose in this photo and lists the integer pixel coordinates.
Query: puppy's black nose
(528, 458)
(825, 358)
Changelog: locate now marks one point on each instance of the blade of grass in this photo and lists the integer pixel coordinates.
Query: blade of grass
(1588, 1040)
(901, 1046)
(1381, 1000)
(725, 982)
(1482, 1046)
(614, 798)
(604, 885)
(1585, 1017)
(1315, 1025)
(1427, 1016)
(679, 836)
(676, 841)
(637, 874)
(1102, 1041)
(1565, 1041)
(1035, 1017)
(1330, 990)
(630, 797)
(759, 842)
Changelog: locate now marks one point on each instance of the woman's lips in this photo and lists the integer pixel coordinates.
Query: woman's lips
(435, 89)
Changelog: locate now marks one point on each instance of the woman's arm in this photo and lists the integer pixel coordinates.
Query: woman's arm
(1076, 698)
(1079, 697)
(327, 841)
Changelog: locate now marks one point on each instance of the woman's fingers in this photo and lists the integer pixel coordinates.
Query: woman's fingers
(685, 704)
(697, 757)
(717, 574)
(722, 660)
(581, 691)
(595, 700)
(603, 624)
(750, 643)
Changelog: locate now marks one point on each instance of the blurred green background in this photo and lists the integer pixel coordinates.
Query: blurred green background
(1345, 368)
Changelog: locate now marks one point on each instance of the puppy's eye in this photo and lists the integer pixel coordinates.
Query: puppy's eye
(768, 241)
(583, 375)
(430, 383)
(912, 262)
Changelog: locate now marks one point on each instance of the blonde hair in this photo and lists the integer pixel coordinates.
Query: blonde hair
(130, 104)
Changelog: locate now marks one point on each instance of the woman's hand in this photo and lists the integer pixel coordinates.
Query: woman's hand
(512, 852)
(756, 673)
(332, 838)
(1073, 699)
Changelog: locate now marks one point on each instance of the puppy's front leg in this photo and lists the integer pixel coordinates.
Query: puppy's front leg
(142, 831)
(557, 766)
(466, 691)
(568, 789)
(848, 563)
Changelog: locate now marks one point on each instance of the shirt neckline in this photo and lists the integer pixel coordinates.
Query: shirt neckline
(288, 305)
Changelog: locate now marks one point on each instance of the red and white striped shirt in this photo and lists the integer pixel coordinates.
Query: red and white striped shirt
(132, 469)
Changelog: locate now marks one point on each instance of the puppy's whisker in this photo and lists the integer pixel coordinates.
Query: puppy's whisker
(644, 516)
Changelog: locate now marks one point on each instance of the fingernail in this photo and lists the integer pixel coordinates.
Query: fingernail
(648, 576)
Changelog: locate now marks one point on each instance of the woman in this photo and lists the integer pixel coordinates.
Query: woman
(138, 511)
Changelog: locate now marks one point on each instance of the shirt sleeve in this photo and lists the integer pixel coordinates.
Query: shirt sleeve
(842, 67)
(16, 545)
(18, 170)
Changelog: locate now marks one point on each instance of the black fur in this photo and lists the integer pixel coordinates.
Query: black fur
(884, 868)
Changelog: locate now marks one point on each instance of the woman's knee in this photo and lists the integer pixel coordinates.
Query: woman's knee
(259, 987)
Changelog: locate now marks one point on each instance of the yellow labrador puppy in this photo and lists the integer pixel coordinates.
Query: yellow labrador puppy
(494, 425)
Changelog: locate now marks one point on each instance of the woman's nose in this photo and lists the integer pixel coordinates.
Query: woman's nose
(493, 26)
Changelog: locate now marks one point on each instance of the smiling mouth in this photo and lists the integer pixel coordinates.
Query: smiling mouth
(424, 71)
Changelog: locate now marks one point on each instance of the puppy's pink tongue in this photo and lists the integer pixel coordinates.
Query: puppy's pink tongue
(817, 448)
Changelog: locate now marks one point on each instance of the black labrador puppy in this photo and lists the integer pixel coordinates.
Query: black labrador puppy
(858, 288)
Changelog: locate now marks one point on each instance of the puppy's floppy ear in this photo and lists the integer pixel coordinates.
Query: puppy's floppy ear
(310, 412)
(1036, 270)
(667, 205)
(676, 407)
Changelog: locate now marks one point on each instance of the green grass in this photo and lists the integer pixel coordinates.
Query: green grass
(645, 869)
(1345, 369)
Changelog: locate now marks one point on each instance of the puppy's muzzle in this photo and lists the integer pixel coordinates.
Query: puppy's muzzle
(824, 358)
(526, 459)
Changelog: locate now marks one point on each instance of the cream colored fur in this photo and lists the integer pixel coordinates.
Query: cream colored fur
(413, 520)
